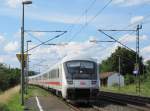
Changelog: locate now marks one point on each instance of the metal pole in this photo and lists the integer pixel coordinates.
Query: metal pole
(27, 73)
(137, 57)
(119, 72)
(27, 69)
(22, 57)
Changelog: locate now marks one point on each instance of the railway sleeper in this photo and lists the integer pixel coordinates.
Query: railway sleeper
(130, 101)
(126, 104)
(139, 98)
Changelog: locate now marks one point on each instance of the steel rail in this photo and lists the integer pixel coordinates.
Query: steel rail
(137, 102)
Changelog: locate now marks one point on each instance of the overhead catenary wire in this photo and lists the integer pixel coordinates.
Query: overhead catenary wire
(85, 25)
(36, 38)
(47, 41)
(141, 22)
(132, 24)
(116, 40)
(31, 35)
(44, 31)
(85, 12)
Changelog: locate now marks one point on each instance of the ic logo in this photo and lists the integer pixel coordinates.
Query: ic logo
(82, 83)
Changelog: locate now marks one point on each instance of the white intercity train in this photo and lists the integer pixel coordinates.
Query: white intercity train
(73, 78)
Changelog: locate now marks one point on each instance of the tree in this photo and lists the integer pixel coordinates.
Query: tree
(148, 65)
(8, 77)
(32, 73)
(128, 60)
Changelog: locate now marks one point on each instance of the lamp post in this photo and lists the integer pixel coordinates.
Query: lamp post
(22, 51)
(27, 66)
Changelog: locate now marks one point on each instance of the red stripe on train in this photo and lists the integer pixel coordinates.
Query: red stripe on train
(54, 83)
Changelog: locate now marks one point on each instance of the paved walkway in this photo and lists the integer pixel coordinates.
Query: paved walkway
(49, 103)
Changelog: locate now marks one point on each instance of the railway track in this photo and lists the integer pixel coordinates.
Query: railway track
(83, 107)
(79, 107)
(105, 102)
(75, 107)
(141, 103)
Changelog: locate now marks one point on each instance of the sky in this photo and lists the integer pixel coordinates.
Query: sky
(81, 19)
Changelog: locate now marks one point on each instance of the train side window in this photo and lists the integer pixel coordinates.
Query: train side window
(52, 73)
(58, 72)
(55, 73)
(49, 75)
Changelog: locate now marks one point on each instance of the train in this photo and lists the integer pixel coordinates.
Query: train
(73, 78)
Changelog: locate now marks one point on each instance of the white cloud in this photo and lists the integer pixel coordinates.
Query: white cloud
(136, 19)
(13, 3)
(60, 51)
(11, 46)
(127, 38)
(55, 17)
(145, 52)
(130, 2)
(55, 53)
(1, 59)
(38, 34)
(12, 61)
(2, 39)
(146, 49)
(18, 34)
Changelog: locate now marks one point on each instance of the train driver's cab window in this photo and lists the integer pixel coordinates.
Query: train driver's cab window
(81, 69)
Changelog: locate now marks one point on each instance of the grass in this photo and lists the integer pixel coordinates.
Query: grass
(36, 91)
(10, 100)
(131, 89)
(6, 96)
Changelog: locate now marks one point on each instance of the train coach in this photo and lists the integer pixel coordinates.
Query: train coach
(74, 78)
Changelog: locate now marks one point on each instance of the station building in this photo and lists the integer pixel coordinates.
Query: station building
(111, 78)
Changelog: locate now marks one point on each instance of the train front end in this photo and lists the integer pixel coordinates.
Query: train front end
(82, 80)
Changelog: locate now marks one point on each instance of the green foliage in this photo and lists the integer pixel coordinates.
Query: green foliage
(115, 85)
(129, 79)
(130, 89)
(3, 107)
(148, 66)
(32, 73)
(8, 77)
(127, 60)
(12, 105)
(36, 91)
(105, 66)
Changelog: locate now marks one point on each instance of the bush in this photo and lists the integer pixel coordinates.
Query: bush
(129, 79)
(115, 85)
(3, 107)
(9, 77)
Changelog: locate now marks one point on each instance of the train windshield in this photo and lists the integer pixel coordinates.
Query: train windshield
(81, 69)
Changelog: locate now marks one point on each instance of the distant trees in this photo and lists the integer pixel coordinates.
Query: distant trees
(32, 73)
(8, 77)
(127, 60)
(148, 65)
(147, 68)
